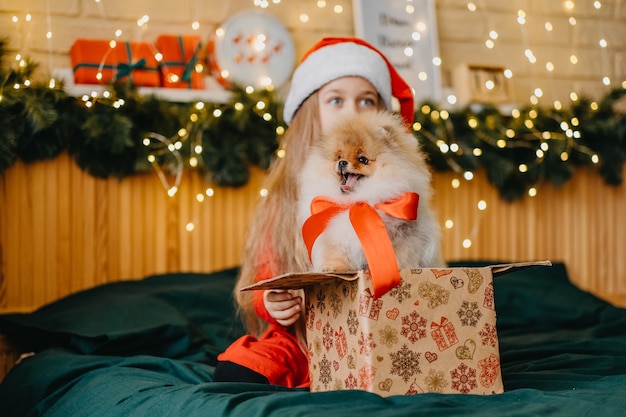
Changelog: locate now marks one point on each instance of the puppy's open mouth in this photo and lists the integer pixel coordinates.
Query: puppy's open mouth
(349, 181)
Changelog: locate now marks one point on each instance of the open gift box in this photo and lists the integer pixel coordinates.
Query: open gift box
(434, 332)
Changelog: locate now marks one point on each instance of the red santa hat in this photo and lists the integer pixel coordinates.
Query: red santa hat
(333, 58)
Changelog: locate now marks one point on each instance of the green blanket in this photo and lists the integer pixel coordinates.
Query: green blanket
(147, 348)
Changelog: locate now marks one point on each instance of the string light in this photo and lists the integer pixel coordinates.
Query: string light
(450, 147)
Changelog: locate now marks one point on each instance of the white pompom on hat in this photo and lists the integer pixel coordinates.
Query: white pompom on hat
(333, 58)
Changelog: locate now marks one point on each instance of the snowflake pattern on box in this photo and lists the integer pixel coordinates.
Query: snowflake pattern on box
(463, 379)
(413, 327)
(469, 313)
(405, 363)
(335, 303)
(488, 335)
(352, 322)
(435, 332)
(401, 292)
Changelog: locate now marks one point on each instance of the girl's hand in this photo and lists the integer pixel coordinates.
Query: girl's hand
(284, 306)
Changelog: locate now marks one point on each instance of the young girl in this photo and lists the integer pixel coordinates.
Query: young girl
(336, 77)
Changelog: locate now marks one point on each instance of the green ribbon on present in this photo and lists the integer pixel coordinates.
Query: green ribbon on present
(124, 69)
(189, 67)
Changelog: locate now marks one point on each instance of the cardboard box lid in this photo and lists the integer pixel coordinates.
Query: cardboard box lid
(303, 279)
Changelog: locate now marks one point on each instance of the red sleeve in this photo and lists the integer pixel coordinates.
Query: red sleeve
(264, 271)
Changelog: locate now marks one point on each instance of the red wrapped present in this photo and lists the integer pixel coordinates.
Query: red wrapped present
(98, 61)
(94, 61)
(180, 56)
(137, 61)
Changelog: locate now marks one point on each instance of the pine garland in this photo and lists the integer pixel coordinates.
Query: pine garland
(106, 135)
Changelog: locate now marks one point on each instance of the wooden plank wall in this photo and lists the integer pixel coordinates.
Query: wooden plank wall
(62, 230)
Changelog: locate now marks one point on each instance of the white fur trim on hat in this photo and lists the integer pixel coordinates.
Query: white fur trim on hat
(332, 62)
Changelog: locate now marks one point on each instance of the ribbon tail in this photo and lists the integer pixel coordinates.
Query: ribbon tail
(377, 248)
(316, 224)
(191, 64)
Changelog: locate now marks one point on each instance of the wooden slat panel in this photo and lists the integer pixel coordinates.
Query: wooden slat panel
(62, 230)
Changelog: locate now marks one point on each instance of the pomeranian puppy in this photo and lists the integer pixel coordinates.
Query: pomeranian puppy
(369, 158)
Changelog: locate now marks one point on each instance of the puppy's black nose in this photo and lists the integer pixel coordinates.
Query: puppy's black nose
(342, 165)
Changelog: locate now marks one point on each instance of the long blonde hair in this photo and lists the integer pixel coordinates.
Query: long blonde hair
(274, 223)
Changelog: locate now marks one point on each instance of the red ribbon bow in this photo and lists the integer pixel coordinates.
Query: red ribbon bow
(370, 230)
(435, 326)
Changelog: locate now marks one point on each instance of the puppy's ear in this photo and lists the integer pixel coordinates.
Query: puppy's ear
(387, 134)
(384, 132)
